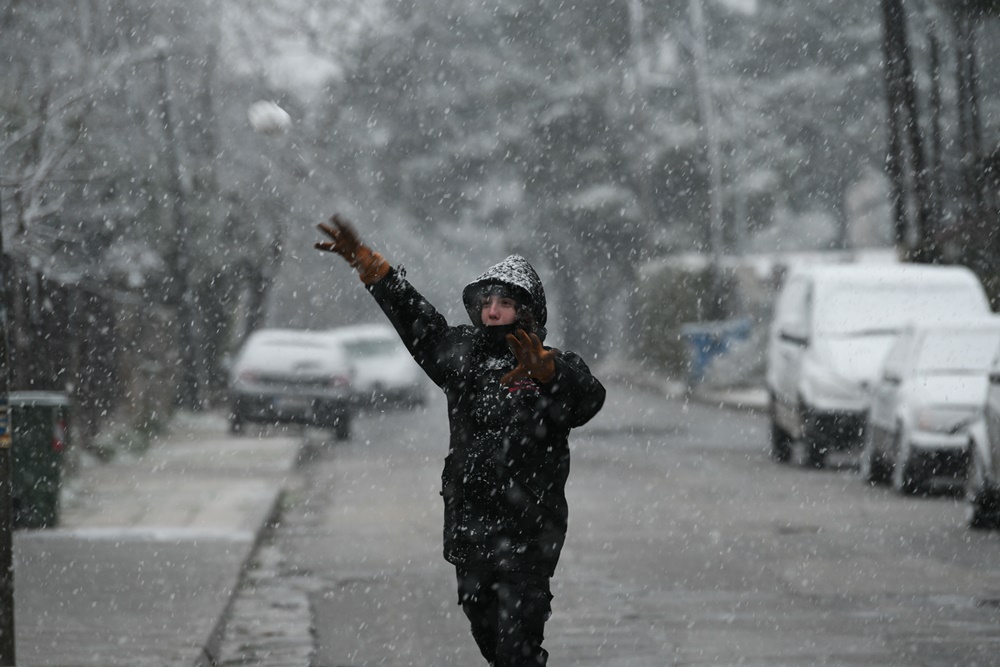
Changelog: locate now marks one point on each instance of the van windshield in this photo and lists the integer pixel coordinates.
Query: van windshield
(851, 309)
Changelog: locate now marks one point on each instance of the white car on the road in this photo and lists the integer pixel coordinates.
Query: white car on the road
(384, 372)
(931, 389)
(283, 376)
(982, 483)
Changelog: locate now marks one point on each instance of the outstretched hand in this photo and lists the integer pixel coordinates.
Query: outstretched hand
(344, 241)
(533, 360)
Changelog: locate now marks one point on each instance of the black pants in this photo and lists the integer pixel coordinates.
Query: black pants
(507, 611)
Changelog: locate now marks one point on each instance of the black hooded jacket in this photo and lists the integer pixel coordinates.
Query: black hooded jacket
(505, 474)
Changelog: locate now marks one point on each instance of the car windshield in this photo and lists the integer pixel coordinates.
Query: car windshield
(958, 352)
(372, 347)
(853, 310)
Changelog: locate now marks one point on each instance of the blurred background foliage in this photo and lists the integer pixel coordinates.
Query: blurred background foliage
(453, 133)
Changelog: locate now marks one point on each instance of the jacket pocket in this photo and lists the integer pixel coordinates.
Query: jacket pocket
(531, 509)
(449, 493)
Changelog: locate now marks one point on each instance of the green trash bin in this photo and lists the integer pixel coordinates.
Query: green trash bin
(38, 439)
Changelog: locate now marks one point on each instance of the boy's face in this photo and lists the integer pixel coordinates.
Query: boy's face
(498, 310)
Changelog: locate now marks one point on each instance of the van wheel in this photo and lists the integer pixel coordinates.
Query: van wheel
(235, 424)
(781, 441)
(815, 449)
(815, 455)
(342, 429)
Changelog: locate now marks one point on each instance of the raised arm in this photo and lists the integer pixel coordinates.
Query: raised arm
(423, 330)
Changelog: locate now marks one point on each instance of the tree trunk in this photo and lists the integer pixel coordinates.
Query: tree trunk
(936, 160)
(902, 89)
(894, 151)
(924, 245)
(968, 116)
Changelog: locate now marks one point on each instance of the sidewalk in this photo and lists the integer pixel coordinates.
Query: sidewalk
(149, 551)
(630, 374)
(739, 398)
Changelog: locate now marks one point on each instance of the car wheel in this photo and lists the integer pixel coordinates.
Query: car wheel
(811, 436)
(781, 442)
(235, 424)
(907, 477)
(342, 429)
(872, 467)
(981, 510)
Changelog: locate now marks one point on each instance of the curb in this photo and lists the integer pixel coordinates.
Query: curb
(210, 653)
(747, 400)
(209, 656)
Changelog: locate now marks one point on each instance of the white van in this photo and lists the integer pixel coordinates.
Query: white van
(831, 329)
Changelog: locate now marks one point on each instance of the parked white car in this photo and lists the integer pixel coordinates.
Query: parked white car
(384, 371)
(982, 483)
(831, 329)
(932, 388)
(284, 376)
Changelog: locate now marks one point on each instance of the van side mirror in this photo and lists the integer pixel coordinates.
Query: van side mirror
(995, 377)
(795, 339)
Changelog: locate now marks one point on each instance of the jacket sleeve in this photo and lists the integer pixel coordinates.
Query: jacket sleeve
(423, 330)
(576, 394)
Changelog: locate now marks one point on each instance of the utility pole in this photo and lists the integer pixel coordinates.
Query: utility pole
(710, 133)
(178, 260)
(6, 476)
(635, 84)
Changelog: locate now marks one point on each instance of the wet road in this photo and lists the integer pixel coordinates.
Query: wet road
(687, 546)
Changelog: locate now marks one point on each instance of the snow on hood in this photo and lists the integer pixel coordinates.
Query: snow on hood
(858, 359)
(295, 352)
(514, 272)
(957, 390)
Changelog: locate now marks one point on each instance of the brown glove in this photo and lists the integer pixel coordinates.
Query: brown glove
(533, 360)
(370, 265)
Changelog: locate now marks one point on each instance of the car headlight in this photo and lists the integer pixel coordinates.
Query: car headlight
(247, 377)
(339, 382)
(945, 419)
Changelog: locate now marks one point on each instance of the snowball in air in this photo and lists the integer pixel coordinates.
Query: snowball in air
(267, 117)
